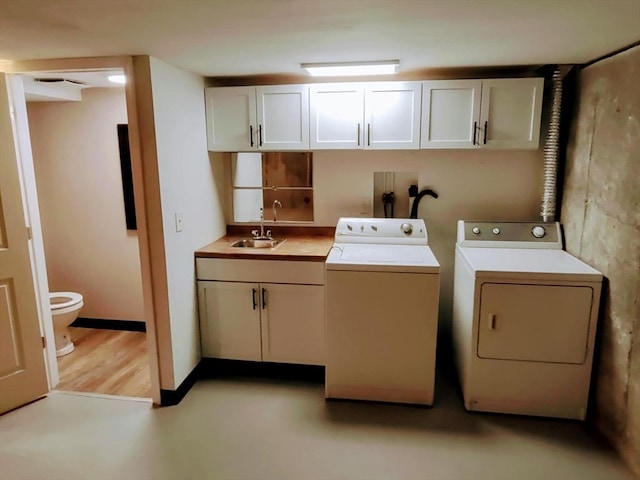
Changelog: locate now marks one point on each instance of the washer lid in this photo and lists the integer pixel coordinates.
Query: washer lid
(533, 264)
(382, 258)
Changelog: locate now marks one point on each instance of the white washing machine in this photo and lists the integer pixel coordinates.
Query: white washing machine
(524, 320)
(381, 291)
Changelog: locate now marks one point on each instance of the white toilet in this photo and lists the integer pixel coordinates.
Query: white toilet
(65, 307)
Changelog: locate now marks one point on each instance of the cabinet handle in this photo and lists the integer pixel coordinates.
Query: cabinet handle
(358, 133)
(264, 298)
(485, 131)
(492, 321)
(260, 133)
(475, 131)
(368, 134)
(253, 293)
(251, 134)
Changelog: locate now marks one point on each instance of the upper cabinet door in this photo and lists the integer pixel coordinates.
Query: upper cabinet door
(450, 112)
(337, 116)
(510, 112)
(283, 117)
(392, 115)
(231, 119)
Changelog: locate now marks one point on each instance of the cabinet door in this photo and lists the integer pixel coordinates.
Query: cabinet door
(231, 119)
(510, 112)
(534, 323)
(392, 115)
(283, 117)
(230, 320)
(293, 323)
(450, 111)
(337, 116)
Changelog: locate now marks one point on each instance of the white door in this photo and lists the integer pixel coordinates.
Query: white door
(293, 323)
(22, 369)
(510, 112)
(337, 116)
(230, 320)
(231, 119)
(450, 112)
(392, 115)
(536, 323)
(283, 117)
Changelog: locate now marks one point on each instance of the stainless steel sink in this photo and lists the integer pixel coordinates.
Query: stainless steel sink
(258, 243)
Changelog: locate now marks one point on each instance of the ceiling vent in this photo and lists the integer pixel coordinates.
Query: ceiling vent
(60, 81)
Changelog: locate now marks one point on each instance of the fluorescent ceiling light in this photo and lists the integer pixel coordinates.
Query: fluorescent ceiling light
(117, 78)
(387, 67)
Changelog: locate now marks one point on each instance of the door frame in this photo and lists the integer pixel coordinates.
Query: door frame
(147, 202)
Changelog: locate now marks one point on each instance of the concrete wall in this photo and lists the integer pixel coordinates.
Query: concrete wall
(88, 248)
(188, 188)
(601, 217)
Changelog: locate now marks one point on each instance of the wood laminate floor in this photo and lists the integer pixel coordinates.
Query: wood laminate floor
(111, 362)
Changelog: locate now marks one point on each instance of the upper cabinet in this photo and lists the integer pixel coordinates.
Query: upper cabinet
(510, 112)
(379, 115)
(243, 119)
(501, 113)
(493, 113)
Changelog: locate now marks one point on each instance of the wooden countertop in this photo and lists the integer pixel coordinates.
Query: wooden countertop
(309, 248)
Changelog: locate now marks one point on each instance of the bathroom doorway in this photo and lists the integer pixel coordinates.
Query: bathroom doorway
(89, 248)
(75, 167)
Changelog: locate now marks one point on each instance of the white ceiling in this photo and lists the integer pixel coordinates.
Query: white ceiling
(250, 37)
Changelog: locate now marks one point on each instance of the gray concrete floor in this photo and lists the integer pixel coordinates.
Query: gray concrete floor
(242, 428)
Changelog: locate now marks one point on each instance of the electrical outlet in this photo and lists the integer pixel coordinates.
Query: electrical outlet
(178, 216)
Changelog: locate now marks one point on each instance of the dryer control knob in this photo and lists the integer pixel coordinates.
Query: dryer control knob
(496, 231)
(475, 230)
(406, 228)
(538, 231)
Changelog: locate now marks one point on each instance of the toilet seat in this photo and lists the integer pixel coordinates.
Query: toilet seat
(74, 302)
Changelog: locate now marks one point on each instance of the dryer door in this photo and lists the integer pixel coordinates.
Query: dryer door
(537, 323)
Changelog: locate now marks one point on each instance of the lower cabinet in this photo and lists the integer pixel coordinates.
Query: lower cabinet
(262, 321)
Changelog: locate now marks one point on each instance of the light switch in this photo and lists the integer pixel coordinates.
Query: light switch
(178, 216)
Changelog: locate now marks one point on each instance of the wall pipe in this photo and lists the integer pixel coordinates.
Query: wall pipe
(551, 158)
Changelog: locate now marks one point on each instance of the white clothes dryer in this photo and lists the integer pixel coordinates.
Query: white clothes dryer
(524, 320)
(381, 293)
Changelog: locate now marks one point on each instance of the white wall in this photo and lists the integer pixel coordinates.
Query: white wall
(471, 184)
(77, 165)
(188, 186)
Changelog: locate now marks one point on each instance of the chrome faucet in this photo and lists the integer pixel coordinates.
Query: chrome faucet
(276, 203)
(260, 234)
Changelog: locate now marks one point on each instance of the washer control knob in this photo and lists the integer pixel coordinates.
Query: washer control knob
(496, 231)
(349, 227)
(538, 231)
(475, 231)
(406, 228)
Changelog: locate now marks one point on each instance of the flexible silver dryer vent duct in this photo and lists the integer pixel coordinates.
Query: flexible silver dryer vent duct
(551, 152)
